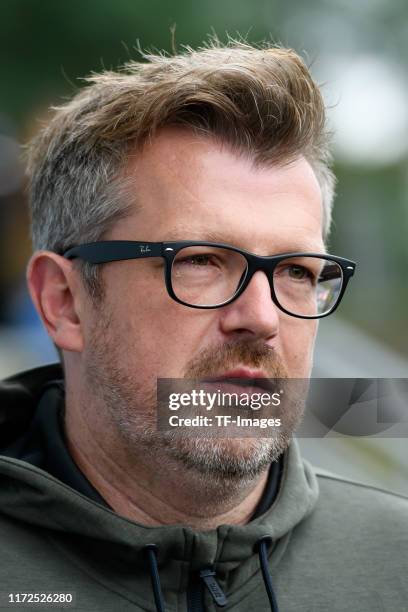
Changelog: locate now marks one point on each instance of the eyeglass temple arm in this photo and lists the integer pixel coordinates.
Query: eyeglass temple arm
(114, 250)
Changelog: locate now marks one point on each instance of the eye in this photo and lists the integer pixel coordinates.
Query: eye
(299, 273)
(198, 260)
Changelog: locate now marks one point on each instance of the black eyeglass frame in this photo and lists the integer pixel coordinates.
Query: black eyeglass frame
(107, 251)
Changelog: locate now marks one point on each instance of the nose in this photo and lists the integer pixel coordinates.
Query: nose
(253, 314)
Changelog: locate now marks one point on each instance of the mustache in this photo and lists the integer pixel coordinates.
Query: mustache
(215, 359)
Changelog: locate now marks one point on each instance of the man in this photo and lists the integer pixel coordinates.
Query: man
(99, 507)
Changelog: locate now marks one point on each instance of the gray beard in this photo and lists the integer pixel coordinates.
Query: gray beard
(131, 413)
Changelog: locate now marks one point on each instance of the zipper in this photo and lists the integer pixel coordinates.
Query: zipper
(195, 595)
(195, 592)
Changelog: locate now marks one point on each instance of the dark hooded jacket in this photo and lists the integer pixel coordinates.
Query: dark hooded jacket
(316, 542)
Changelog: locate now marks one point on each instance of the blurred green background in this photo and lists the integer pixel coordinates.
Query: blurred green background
(357, 50)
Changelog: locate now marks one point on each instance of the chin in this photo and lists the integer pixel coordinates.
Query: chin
(227, 458)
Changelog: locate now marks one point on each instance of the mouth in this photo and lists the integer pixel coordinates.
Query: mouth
(251, 380)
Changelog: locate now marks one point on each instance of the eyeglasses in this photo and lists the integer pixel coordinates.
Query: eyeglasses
(211, 275)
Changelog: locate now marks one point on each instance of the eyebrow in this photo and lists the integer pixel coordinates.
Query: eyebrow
(207, 235)
(204, 235)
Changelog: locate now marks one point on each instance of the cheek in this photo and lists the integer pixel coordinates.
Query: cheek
(160, 336)
(297, 341)
(150, 332)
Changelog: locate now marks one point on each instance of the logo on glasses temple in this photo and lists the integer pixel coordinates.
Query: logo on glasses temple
(144, 248)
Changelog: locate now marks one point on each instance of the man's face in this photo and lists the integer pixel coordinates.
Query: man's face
(190, 187)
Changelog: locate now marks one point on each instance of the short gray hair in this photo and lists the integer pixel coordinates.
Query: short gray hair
(262, 101)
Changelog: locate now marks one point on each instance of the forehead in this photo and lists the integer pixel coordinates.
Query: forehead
(186, 186)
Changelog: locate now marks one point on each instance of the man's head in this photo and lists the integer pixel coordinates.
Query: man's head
(221, 144)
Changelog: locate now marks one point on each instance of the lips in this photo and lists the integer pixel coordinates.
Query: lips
(243, 373)
(244, 377)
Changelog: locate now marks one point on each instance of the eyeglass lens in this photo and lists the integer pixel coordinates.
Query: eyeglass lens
(210, 276)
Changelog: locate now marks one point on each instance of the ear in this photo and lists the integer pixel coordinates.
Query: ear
(55, 290)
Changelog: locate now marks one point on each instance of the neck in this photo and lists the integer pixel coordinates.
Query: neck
(153, 490)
